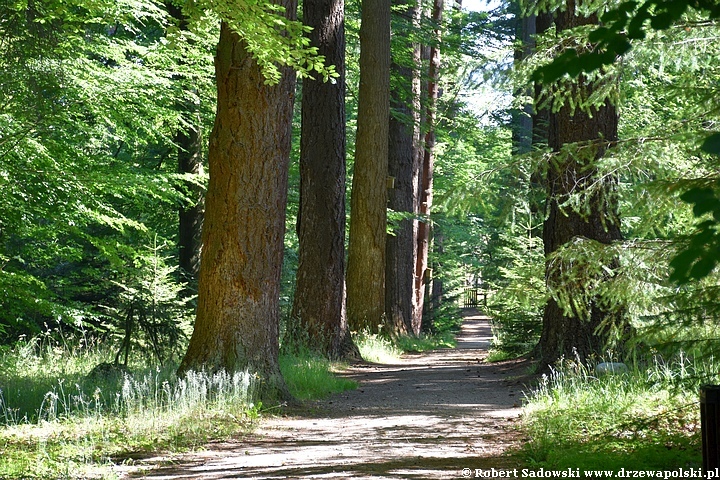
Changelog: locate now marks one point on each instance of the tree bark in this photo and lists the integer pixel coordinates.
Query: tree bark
(368, 203)
(237, 325)
(404, 168)
(426, 181)
(572, 336)
(319, 303)
(437, 289)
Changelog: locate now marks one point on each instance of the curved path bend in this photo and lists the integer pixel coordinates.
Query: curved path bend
(426, 417)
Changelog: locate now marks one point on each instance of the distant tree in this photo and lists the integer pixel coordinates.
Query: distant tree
(237, 325)
(404, 169)
(190, 161)
(428, 163)
(319, 301)
(368, 203)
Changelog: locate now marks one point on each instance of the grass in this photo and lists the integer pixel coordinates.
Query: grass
(79, 434)
(58, 422)
(424, 342)
(311, 376)
(647, 418)
(381, 348)
(377, 348)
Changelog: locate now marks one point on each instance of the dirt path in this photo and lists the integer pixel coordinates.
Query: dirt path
(427, 417)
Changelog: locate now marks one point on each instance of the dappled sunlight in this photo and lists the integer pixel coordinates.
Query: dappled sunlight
(427, 417)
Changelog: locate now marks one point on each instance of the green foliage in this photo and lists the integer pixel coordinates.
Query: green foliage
(628, 21)
(672, 40)
(90, 105)
(643, 419)
(152, 313)
(699, 258)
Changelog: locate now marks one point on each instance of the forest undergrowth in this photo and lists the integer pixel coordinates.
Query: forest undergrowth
(644, 418)
(63, 417)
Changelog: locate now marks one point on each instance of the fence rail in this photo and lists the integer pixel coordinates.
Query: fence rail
(474, 297)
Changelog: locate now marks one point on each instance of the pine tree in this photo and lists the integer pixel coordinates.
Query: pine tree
(319, 301)
(238, 325)
(368, 217)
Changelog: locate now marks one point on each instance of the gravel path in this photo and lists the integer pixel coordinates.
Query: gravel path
(426, 417)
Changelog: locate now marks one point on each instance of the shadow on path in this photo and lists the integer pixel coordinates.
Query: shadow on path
(426, 417)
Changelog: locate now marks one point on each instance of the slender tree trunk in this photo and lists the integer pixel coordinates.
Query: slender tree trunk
(571, 335)
(437, 289)
(237, 325)
(190, 161)
(368, 203)
(426, 182)
(404, 167)
(191, 215)
(541, 116)
(522, 117)
(319, 303)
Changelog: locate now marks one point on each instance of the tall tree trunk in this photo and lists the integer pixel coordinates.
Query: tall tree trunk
(426, 181)
(368, 203)
(572, 335)
(541, 116)
(437, 289)
(319, 303)
(190, 161)
(403, 167)
(237, 325)
(522, 117)
(191, 215)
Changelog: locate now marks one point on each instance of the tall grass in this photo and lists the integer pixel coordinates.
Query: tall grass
(311, 376)
(377, 348)
(57, 421)
(147, 413)
(647, 417)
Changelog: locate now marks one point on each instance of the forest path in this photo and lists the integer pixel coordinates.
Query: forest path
(427, 417)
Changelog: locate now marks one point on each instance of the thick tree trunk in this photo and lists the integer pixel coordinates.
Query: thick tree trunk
(368, 203)
(426, 181)
(563, 335)
(319, 303)
(404, 168)
(237, 325)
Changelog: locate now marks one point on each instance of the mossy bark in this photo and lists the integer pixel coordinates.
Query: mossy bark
(368, 221)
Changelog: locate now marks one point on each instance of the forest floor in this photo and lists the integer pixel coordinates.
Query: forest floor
(429, 416)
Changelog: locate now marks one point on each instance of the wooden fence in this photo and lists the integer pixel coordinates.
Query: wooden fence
(474, 297)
